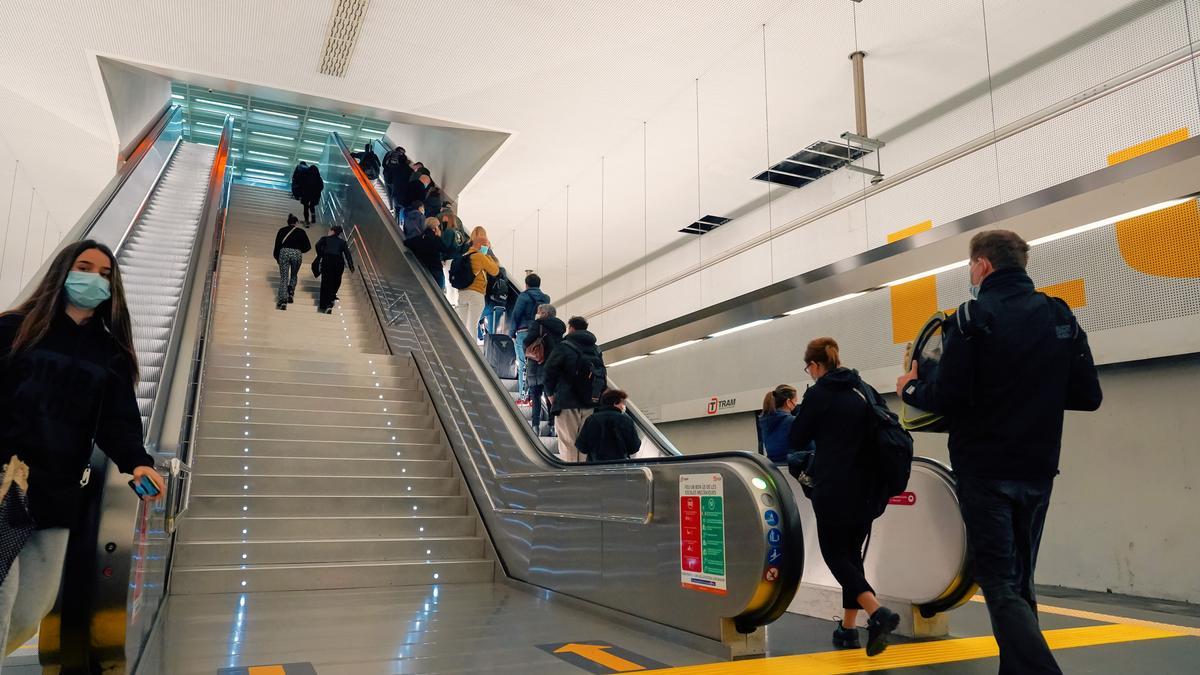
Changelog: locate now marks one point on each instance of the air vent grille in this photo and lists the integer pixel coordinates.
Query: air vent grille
(705, 225)
(345, 22)
(817, 160)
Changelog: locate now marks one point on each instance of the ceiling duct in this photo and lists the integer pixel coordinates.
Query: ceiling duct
(705, 225)
(816, 161)
(345, 22)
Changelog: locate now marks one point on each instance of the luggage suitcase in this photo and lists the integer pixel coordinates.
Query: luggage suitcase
(501, 355)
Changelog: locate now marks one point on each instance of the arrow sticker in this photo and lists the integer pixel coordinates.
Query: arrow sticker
(601, 657)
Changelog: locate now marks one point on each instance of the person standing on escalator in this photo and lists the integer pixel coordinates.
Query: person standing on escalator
(291, 243)
(333, 255)
(368, 161)
(524, 315)
(775, 422)
(482, 262)
(836, 417)
(549, 330)
(396, 172)
(67, 380)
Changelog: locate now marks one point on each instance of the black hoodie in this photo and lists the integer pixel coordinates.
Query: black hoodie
(838, 420)
(551, 330)
(563, 367)
(73, 382)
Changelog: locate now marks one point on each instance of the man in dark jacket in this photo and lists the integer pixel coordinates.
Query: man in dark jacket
(1013, 360)
(417, 189)
(368, 161)
(609, 433)
(571, 378)
(549, 329)
(413, 223)
(520, 321)
(427, 247)
(307, 187)
(396, 172)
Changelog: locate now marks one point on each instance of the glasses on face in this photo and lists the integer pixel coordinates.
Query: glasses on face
(806, 367)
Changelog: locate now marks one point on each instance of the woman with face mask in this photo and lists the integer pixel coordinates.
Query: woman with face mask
(67, 378)
(775, 422)
(836, 416)
(483, 262)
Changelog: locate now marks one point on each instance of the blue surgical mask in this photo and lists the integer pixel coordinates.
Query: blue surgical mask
(483, 249)
(974, 290)
(87, 290)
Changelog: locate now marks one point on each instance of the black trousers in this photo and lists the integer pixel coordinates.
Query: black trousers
(535, 395)
(310, 211)
(331, 280)
(842, 534)
(1004, 520)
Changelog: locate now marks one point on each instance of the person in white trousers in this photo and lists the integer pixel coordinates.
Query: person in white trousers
(483, 262)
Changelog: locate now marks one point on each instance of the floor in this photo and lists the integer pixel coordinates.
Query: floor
(497, 628)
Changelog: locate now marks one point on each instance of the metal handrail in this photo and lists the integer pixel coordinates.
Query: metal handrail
(181, 469)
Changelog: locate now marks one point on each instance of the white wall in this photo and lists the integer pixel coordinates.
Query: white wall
(453, 156)
(1122, 514)
(135, 98)
(937, 76)
(50, 171)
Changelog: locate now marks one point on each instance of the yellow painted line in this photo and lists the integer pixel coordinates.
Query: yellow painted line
(918, 654)
(267, 670)
(1110, 618)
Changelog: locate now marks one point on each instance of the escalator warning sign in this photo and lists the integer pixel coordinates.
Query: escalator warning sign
(702, 532)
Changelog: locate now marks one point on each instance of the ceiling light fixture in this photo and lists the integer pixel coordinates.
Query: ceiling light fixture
(672, 348)
(742, 327)
(823, 303)
(628, 360)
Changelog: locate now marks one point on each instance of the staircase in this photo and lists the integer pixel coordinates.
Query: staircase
(319, 461)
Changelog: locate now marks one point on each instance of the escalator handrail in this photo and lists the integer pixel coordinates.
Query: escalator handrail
(643, 423)
(219, 178)
(790, 575)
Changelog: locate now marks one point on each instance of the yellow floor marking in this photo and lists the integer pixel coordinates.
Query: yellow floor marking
(1110, 618)
(267, 670)
(917, 654)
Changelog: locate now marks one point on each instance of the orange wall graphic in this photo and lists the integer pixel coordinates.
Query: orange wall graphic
(913, 302)
(1165, 243)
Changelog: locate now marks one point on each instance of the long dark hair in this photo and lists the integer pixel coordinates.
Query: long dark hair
(49, 300)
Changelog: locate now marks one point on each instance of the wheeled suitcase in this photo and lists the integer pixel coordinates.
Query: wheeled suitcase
(501, 355)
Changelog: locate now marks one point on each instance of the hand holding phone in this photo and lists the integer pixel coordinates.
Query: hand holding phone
(144, 484)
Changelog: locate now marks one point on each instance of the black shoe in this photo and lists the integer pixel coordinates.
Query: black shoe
(879, 626)
(291, 299)
(329, 310)
(280, 305)
(845, 638)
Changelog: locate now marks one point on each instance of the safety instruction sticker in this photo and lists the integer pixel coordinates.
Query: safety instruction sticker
(702, 532)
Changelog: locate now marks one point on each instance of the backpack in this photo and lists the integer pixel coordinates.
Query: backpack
(893, 447)
(497, 289)
(461, 274)
(590, 379)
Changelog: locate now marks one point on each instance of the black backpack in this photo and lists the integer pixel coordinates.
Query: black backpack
(497, 289)
(461, 274)
(590, 379)
(893, 447)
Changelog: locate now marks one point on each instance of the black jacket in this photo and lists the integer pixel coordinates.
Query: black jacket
(608, 434)
(562, 368)
(427, 247)
(369, 161)
(291, 236)
(307, 184)
(74, 382)
(837, 420)
(332, 249)
(414, 191)
(396, 170)
(551, 329)
(1012, 362)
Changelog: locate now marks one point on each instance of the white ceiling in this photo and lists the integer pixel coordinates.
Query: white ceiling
(565, 78)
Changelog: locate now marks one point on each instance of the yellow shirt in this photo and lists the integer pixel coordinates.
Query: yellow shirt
(481, 265)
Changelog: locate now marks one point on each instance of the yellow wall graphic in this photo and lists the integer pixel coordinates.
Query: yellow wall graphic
(913, 302)
(1165, 243)
(1070, 291)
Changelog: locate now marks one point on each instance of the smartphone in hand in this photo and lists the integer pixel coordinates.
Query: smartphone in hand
(143, 487)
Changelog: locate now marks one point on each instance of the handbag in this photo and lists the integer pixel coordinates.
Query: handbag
(16, 524)
(536, 350)
(316, 266)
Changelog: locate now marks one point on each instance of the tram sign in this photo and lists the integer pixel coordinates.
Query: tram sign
(702, 532)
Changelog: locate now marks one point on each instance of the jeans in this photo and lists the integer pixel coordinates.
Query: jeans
(1004, 520)
(519, 345)
(490, 317)
(535, 395)
(29, 590)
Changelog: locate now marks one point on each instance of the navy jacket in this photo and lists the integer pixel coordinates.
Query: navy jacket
(608, 434)
(525, 311)
(773, 429)
(53, 396)
(1012, 362)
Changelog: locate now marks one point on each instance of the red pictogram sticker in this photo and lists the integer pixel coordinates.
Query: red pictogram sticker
(904, 499)
(771, 574)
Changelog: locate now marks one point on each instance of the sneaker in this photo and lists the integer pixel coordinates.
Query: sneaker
(291, 299)
(329, 310)
(845, 638)
(880, 625)
(280, 305)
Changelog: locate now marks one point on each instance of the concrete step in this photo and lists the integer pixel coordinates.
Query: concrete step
(425, 549)
(333, 391)
(256, 375)
(232, 465)
(400, 368)
(255, 578)
(327, 505)
(426, 433)
(302, 402)
(318, 486)
(199, 528)
(259, 447)
(403, 416)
